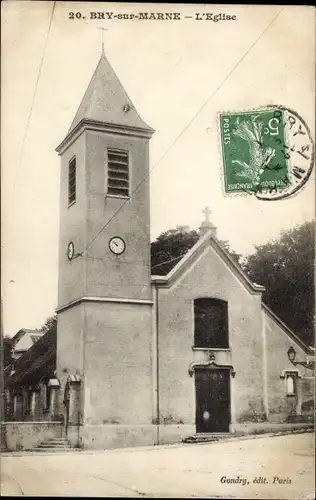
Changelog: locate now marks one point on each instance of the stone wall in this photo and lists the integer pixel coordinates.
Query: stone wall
(117, 436)
(117, 370)
(27, 435)
(109, 275)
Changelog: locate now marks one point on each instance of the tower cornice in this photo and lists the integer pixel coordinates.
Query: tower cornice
(96, 300)
(112, 128)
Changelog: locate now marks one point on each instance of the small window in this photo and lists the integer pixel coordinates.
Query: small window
(211, 323)
(117, 172)
(72, 181)
(291, 384)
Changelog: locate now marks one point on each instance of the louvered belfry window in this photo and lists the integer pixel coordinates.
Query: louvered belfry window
(72, 181)
(118, 172)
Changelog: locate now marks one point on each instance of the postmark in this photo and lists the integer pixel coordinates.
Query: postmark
(268, 152)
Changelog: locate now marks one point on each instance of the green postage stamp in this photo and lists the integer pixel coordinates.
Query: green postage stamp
(268, 152)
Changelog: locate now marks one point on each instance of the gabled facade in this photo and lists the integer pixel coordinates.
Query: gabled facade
(234, 380)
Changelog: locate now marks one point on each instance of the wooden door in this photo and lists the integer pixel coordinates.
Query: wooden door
(212, 387)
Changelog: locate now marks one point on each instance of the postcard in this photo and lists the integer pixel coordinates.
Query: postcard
(158, 236)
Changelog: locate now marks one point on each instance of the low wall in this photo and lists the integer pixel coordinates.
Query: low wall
(27, 435)
(262, 427)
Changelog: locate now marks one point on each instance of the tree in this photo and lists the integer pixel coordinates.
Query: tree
(169, 247)
(285, 267)
(7, 351)
(50, 323)
(172, 245)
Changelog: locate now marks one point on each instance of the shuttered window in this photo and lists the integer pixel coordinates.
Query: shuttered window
(72, 181)
(117, 172)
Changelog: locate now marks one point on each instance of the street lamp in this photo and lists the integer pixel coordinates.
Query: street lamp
(309, 363)
(291, 354)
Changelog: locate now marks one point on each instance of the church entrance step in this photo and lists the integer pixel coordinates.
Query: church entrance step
(54, 444)
(206, 438)
(57, 441)
(53, 450)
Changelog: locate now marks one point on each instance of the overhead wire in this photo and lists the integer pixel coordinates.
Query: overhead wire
(181, 133)
(34, 93)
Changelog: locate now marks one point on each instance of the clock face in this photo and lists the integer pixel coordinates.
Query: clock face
(70, 250)
(117, 245)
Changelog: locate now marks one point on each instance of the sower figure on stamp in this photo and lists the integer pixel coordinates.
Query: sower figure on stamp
(260, 156)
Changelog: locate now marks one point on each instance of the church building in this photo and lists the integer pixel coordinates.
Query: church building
(144, 359)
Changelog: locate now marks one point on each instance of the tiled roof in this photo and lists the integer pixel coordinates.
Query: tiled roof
(36, 362)
(36, 336)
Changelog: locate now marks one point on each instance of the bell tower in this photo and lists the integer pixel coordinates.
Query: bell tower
(104, 288)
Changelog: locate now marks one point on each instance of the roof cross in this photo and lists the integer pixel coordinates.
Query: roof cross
(102, 30)
(207, 212)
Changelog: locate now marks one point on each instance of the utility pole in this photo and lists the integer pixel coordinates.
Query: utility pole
(3, 440)
(2, 388)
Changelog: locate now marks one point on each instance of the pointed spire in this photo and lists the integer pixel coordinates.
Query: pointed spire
(106, 100)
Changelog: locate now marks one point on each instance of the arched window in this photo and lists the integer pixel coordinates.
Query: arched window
(290, 385)
(211, 323)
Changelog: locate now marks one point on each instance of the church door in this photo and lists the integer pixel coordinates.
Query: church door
(212, 389)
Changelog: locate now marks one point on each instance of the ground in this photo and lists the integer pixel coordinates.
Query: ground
(186, 470)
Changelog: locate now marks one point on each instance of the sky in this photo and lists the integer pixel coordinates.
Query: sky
(180, 75)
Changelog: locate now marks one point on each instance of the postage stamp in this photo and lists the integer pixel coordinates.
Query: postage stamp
(268, 152)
